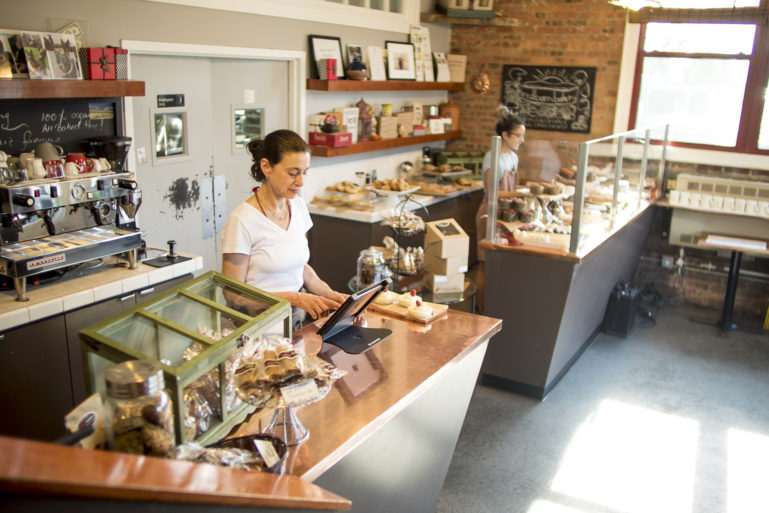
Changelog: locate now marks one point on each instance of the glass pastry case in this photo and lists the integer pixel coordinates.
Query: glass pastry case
(581, 193)
(198, 332)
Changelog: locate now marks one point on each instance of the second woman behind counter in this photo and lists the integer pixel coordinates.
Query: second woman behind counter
(264, 240)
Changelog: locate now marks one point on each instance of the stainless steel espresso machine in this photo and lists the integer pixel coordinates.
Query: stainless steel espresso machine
(53, 223)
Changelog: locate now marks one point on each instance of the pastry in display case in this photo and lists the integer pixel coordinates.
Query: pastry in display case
(198, 333)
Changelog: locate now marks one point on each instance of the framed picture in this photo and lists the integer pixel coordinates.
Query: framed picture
(326, 47)
(354, 52)
(376, 68)
(400, 61)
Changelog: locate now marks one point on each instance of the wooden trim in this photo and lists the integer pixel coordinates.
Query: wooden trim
(757, 15)
(30, 89)
(314, 84)
(37, 467)
(384, 144)
(432, 17)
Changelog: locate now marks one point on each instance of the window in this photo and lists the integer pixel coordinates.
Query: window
(707, 79)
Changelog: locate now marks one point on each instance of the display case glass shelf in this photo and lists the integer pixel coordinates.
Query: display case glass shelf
(30, 89)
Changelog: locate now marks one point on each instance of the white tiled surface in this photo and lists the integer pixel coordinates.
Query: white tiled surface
(112, 280)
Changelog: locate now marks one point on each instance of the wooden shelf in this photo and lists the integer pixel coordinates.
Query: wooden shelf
(31, 89)
(384, 144)
(313, 84)
(434, 17)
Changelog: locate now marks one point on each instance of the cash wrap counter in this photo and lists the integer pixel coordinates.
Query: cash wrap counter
(381, 441)
(553, 303)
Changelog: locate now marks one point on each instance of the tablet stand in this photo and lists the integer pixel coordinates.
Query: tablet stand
(357, 339)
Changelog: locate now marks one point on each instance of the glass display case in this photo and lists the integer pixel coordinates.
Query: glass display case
(580, 193)
(197, 332)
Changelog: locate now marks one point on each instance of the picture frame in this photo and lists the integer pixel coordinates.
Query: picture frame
(354, 52)
(401, 64)
(326, 47)
(376, 67)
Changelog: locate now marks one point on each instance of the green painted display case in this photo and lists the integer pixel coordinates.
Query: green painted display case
(194, 331)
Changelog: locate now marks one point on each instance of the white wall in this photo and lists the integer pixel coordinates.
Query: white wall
(109, 22)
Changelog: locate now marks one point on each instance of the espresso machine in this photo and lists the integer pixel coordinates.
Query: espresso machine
(53, 223)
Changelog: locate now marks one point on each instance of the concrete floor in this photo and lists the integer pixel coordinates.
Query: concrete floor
(674, 418)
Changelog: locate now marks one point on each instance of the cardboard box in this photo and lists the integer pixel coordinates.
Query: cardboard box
(445, 283)
(314, 122)
(333, 140)
(417, 109)
(349, 120)
(406, 119)
(445, 238)
(387, 126)
(445, 266)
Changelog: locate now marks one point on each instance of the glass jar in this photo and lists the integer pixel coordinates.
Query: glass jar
(371, 266)
(138, 411)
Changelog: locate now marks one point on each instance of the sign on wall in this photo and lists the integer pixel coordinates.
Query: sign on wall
(558, 98)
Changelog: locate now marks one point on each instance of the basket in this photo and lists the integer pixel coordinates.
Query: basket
(246, 443)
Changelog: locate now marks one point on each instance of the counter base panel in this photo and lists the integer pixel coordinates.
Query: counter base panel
(403, 466)
(552, 308)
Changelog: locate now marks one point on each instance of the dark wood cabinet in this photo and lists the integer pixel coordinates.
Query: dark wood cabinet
(336, 243)
(41, 366)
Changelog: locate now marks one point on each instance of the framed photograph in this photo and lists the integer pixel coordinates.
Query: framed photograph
(36, 55)
(326, 47)
(354, 52)
(7, 64)
(63, 58)
(376, 67)
(400, 61)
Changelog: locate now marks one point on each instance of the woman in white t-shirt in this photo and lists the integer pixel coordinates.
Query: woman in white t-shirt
(264, 240)
(512, 131)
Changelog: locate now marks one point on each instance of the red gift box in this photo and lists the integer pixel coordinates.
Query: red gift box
(333, 140)
(98, 63)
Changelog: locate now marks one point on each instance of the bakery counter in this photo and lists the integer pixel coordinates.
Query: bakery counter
(554, 302)
(382, 438)
(41, 363)
(339, 234)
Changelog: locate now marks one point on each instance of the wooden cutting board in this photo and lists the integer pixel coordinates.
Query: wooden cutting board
(401, 312)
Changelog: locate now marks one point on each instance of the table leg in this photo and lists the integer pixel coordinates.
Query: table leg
(726, 322)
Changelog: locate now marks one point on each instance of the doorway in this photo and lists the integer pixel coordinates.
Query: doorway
(189, 131)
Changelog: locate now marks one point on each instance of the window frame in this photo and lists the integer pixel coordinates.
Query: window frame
(753, 98)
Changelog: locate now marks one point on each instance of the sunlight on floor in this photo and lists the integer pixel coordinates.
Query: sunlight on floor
(630, 459)
(748, 468)
(542, 506)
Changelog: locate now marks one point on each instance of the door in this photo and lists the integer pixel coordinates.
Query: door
(191, 171)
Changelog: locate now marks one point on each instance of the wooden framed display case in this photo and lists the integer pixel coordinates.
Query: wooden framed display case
(194, 331)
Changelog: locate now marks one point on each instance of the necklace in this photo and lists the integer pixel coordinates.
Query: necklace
(281, 218)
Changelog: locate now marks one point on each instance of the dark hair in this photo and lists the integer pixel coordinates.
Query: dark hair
(507, 121)
(273, 147)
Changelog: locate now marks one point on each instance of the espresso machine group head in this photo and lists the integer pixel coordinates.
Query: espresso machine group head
(53, 223)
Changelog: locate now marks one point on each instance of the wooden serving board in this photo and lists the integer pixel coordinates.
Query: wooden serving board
(401, 312)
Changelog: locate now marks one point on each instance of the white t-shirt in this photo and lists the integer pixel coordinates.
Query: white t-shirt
(507, 162)
(276, 257)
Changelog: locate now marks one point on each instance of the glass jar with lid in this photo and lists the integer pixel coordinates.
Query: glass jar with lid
(371, 267)
(138, 412)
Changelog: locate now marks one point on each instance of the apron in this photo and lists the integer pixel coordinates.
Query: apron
(509, 183)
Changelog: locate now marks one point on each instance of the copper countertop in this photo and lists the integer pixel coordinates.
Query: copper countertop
(380, 383)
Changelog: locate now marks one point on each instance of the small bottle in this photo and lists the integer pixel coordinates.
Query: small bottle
(138, 412)
(373, 175)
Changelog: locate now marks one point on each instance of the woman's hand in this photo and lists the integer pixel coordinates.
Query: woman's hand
(314, 305)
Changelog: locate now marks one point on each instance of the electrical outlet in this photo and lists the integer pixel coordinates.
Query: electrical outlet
(667, 262)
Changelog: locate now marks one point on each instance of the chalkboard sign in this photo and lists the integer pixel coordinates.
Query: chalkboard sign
(26, 123)
(558, 98)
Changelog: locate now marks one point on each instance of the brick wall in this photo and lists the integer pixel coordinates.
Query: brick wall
(547, 33)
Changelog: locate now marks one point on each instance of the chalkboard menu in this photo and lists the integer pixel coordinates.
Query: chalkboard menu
(26, 123)
(558, 98)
